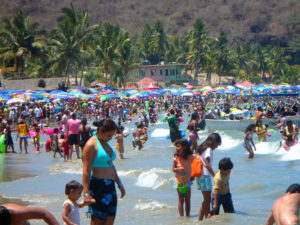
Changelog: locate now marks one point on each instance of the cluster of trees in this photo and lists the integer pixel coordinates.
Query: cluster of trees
(78, 48)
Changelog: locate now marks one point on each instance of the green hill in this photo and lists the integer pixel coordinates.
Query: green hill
(263, 21)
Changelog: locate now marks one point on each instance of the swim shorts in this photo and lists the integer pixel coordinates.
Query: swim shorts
(73, 139)
(104, 192)
(204, 183)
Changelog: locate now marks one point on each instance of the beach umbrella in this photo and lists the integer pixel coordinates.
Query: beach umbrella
(105, 92)
(134, 98)
(187, 94)
(220, 91)
(206, 88)
(152, 86)
(190, 87)
(113, 96)
(104, 97)
(182, 90)
(197, 93)
(144, 94)
(15, 100)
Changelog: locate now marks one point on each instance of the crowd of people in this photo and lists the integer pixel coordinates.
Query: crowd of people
(66, 124)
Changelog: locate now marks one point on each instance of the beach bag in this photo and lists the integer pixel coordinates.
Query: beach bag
(197, 167)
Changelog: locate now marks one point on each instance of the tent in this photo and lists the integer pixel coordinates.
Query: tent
(152, 86)
(146, 81)
(247, 84)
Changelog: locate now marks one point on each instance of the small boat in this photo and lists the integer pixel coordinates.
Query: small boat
(219, 124)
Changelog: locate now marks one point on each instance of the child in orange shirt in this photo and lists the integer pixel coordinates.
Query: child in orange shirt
(182, 163)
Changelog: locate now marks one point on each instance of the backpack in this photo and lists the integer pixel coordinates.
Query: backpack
(197, 167)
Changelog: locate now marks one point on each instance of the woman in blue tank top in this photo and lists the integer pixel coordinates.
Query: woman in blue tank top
(100, 175)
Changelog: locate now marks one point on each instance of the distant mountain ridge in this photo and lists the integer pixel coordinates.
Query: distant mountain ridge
(262, 21)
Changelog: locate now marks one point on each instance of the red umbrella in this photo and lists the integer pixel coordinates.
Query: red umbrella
(190, 87)
(197, 93)
(152, 86)
(105, 92)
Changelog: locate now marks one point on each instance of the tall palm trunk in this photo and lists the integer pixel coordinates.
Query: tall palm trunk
(125, 80)
(67, 74)
(105, 73)
(208, 78)
(220, 77)
(81, 77)
(196, 73)
(110, 78)
(76, 73)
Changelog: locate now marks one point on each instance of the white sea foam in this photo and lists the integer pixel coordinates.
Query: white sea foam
(266, 147)
(291, 155)
(128, 173)
(160, 132)
(150, 205)
(229, 142)
(74, 167)
(152, 178)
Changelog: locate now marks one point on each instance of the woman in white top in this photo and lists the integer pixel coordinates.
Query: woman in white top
(204, 183)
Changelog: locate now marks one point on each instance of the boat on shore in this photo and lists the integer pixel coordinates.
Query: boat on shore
(221, 124)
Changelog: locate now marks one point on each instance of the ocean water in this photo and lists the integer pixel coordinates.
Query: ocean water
(39, 180)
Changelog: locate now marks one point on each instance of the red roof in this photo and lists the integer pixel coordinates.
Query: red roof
(145, 82)
(247, 84)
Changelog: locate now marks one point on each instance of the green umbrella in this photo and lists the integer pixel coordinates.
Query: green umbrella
(104, 97)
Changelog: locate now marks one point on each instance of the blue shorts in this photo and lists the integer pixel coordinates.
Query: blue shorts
(23, 137)
(204, 183)
(104, 192)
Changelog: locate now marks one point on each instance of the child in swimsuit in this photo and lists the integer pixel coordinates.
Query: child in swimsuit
(71, 208)
(120, 144)
(289, 142)
(248, 138)
(137, 137)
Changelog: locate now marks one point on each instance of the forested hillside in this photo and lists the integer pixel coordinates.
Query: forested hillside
(245, 21)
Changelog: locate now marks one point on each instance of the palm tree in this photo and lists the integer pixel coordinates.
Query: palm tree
(17, 40)
(209, 60)
(68, 39)
(279, 61)
(143, 45)
(244, 61)
(290, 74)
(41, 66)
(224, 59)
(159, 42)
(262, 61)
(127, 61)
(107, 43)
(197, 41)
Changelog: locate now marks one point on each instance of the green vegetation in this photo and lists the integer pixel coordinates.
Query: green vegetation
(109, 53)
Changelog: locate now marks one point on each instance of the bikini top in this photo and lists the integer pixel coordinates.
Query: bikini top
(102, 159)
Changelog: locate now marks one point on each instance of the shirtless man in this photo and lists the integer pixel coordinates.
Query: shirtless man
(13, 214)
(286, 210)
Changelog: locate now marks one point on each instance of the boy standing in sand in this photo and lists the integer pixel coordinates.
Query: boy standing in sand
(222, 195)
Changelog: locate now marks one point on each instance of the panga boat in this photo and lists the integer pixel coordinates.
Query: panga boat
(226, 124)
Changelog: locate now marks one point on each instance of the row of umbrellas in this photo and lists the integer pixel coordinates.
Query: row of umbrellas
(21, 96)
